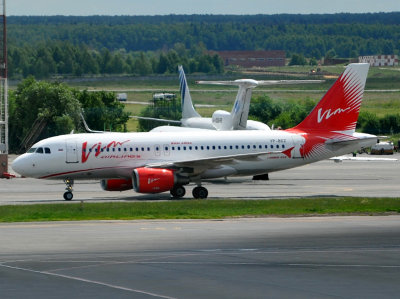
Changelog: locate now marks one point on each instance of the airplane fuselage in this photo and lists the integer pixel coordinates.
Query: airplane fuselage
(115, 155)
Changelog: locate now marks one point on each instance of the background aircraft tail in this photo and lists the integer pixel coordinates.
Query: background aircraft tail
(188, 110)
(240, 110)
(339, 108)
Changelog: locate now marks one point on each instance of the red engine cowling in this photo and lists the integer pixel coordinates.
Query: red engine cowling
(116, 184)
(153, 180)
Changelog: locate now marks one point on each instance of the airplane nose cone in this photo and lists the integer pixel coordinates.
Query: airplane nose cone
(16, 165)
(20, 165)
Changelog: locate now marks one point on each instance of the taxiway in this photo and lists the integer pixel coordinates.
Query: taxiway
(305, 257)
(316, 257)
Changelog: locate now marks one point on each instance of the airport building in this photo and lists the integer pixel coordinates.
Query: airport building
(253, 58)
(380, 60)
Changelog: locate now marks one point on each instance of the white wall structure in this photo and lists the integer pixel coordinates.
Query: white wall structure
(380, 60)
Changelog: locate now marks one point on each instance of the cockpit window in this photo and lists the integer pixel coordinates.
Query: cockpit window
(39, 150)
(47, 150)
(31, 150)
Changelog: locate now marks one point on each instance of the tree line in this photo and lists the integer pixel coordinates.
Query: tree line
(61, 58)
(338, 18)
(67, 45)
(58, 107)
(349, 35)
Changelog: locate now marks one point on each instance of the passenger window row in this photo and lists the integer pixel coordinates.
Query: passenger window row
(225, 147)
(130, 149)
(190, 148)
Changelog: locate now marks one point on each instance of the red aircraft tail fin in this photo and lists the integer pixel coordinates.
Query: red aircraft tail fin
(339, 108)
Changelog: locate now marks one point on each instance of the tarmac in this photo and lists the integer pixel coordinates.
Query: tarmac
(309, 257)
(303, 257)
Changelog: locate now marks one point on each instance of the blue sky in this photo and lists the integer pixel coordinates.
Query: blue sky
(163, 7)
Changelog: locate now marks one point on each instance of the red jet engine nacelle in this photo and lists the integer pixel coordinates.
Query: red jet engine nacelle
(153, 180)
(116, 184)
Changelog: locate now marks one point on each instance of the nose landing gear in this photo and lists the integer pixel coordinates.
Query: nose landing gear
(68, 193)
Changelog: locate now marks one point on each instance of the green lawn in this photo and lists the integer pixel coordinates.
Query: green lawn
(198, 209)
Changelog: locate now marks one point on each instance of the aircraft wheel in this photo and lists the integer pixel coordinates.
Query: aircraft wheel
(178, 191)
(68, 195)
(200, 192)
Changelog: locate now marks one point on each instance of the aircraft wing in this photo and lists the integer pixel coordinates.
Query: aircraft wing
(199, 165)
(87, 129)
(170, 121)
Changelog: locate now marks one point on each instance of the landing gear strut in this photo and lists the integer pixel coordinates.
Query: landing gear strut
(178, 191)
(200, 192)
(68, 193)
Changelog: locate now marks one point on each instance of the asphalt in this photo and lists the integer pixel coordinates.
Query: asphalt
(305, 257)
(317, 257)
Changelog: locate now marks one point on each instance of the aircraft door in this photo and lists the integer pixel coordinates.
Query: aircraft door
(71, 152)
(157, 150)
(298, 142)
(166, 149)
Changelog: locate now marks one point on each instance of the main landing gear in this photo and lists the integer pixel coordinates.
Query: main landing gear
(198, 192)
(178, 191)
(68, 193)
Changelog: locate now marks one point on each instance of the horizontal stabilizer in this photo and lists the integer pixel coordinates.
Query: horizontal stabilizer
(254, 83)
(368, 159)
(334, 144)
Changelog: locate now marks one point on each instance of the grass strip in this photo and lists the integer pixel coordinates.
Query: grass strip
(197, 209)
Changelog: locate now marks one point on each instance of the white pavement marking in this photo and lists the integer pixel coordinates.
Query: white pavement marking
(88, 281)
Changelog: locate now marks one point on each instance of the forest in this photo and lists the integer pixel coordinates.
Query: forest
(45, 46)
(61, 58)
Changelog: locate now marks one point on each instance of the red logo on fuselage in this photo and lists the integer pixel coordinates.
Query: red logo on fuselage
(98, 149)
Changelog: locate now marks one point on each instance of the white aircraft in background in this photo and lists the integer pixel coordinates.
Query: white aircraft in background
(222, 120)
(156, 162)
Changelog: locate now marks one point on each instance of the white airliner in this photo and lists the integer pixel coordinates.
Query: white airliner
(156, 162)
(222, 120)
